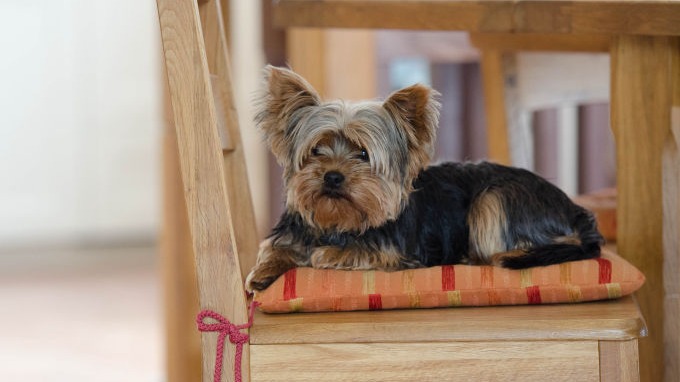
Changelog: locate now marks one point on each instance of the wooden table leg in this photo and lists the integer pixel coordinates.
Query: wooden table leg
(337, 63)
(493, 79)
(306, 49)
(644, 96)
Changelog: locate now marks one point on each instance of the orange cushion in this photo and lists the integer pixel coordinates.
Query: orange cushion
(320, 290)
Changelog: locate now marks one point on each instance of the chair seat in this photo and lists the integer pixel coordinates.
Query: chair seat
(562, 343)
(603, 320)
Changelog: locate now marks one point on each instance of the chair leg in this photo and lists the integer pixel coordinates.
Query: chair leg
(619, 361)
(568, 149)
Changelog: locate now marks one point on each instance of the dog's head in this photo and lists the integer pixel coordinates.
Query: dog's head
(347, 166)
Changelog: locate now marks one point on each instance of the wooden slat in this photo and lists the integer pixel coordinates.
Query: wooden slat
(225, 8)
(215, 45)
(630, 17)
(202, 167)
(619, 361)
(225, 136)
(180, 293)
(488, 16)
(506, 42)
(584, 16)
(554, 361)
(235, 171)
(643, 72)
(611, 320)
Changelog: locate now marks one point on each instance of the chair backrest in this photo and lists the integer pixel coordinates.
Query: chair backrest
(526, 72)
(211, 160)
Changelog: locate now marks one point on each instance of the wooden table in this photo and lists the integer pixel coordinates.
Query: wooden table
(645, 118)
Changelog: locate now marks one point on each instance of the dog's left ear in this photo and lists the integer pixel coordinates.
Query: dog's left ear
(415, 109)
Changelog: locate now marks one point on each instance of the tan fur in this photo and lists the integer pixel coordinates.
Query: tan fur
(284, 93)
(487, 222)
(497, 259)
(387, 259)
(418, 112)
(273, 262)
(572, 239)
(366, 198)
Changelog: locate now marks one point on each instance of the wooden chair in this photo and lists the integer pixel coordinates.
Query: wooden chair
(516, 84)
(583, 342)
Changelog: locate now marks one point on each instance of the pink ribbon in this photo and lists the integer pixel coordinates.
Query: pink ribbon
(224, 327)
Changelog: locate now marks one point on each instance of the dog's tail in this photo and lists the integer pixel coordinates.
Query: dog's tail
(587, 247)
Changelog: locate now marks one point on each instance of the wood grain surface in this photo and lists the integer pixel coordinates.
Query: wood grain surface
(205, 172)
(581, 16)
(613, 320)
(499, 361)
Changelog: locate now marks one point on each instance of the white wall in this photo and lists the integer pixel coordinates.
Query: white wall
(80, 120)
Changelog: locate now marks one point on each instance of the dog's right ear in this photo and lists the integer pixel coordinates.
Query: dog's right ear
(284, 97)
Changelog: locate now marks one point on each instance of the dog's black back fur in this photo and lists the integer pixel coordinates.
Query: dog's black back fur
(433, 228)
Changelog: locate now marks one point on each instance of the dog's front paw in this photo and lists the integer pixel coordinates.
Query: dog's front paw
(272, 262)
(260, 278)
(265, 273)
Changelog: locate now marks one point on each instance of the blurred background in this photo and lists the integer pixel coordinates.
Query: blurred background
(82, 116)
(82, 120)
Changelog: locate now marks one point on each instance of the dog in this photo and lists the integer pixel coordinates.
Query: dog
(361, 194)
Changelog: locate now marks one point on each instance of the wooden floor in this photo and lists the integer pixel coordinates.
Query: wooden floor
(81, 315)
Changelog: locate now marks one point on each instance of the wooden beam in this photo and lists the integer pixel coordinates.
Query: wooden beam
(644, 71)
(543, 16)
(543, 42)
(488, 16)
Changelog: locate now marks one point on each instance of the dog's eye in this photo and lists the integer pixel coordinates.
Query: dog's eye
(315, 151)
(363, 155)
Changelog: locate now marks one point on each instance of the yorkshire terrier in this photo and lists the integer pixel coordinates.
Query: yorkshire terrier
(360, 194)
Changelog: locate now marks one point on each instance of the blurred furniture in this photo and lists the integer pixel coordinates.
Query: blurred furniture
(603, 205)
(450, 63)
(523, 73)
(584, 342)
(645, 102)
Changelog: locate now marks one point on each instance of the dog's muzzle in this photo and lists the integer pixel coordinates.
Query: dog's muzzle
(333, 180)
(332, 184)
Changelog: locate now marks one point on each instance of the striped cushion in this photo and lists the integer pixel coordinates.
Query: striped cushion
(316, 290)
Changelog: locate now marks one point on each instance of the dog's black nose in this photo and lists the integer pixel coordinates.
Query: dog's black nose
(333, 179)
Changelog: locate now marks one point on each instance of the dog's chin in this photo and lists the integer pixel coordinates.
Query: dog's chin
(334, 194)
(346, 209)
(334, 210)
